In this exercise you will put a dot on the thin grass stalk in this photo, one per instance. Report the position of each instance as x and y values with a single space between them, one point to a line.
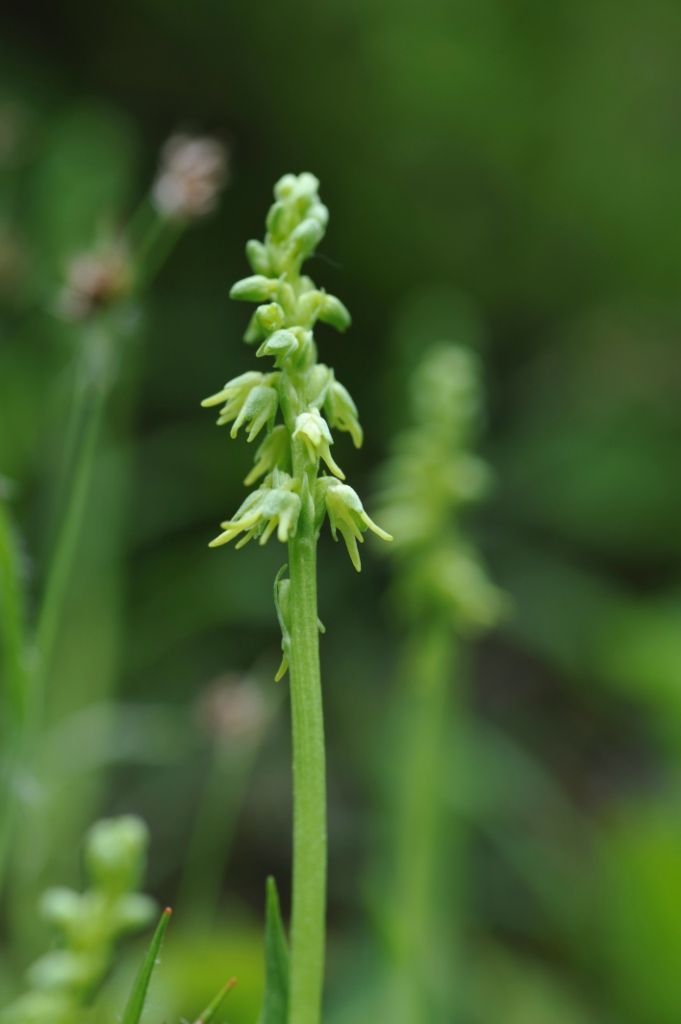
16 678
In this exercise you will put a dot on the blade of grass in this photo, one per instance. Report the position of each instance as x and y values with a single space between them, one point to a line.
275 1007
138 995
59 573
15 692
207 1016
12 632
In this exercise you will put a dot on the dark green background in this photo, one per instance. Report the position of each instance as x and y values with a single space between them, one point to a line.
502 173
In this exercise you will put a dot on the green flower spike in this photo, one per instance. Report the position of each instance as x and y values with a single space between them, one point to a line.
297 405
431 476
300 402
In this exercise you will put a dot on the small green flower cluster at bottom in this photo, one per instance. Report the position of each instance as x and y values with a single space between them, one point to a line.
62 981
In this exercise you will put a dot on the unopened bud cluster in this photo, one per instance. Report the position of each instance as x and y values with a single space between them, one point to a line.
88 924
294 407
429 478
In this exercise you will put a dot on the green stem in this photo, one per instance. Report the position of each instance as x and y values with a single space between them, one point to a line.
59 573
152 238
16 678
12 632
211 838
429 664
308 910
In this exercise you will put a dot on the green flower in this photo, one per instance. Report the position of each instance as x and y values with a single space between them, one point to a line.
312 429
342 412
347 516
264 511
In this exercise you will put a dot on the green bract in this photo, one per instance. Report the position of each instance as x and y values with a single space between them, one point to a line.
300 401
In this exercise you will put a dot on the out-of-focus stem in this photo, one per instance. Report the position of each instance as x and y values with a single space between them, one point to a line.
152 239
15 679
211 838
12 632
428 666
61 565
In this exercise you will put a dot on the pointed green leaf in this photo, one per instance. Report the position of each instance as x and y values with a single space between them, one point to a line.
138 995
275 1008
207 1016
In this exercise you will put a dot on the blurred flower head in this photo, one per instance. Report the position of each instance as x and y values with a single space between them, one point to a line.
193 171
94 281
232 709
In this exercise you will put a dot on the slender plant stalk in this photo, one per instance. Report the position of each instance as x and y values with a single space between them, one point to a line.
216 816
12 627
66 546
308 909
16 678
428 663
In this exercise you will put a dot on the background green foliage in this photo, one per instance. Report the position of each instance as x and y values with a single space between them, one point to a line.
502 174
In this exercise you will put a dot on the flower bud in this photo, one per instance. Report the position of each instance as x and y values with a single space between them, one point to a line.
312 429
61 907
280 345
270 317
64 969
256 288
320 212
309 306
115 851
335 313
133 911
258 258
278 220
285 187
307 236
307 185
317 385
342 412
